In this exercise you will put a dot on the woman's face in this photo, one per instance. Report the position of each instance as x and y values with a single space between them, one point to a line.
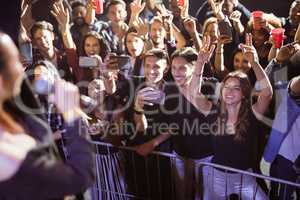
213 32
259 38
157 33
182 71
91 46
135 45
232 92
240 63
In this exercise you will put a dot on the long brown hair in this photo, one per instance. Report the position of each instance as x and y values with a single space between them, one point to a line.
243 122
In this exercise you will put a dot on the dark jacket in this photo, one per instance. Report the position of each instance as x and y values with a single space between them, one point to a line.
42 175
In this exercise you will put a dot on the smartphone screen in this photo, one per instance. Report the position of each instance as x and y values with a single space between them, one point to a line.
26 51
88 62
123 62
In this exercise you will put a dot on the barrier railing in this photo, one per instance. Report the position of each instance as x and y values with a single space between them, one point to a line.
123 174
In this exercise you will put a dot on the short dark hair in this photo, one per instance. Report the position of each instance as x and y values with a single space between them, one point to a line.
188 53
75 4
158 53
41 25
115 2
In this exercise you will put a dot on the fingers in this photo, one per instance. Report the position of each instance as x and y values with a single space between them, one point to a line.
211 50
249 39
24 10
206 43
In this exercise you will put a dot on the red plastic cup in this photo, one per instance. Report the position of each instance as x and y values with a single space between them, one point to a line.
257 18
180 3
278 36
99 6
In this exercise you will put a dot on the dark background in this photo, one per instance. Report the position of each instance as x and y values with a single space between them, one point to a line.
9 11
278 7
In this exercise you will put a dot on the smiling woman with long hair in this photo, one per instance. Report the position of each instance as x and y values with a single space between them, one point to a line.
235 139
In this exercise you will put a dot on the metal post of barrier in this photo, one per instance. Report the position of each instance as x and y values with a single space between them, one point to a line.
158 173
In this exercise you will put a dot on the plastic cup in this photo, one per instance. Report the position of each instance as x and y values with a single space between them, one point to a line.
99 6
278 36
180 3
257 18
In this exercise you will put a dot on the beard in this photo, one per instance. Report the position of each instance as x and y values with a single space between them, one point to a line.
79 21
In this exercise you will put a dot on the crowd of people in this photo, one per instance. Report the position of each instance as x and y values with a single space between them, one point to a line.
220 87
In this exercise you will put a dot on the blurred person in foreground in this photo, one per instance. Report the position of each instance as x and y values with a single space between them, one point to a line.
29 164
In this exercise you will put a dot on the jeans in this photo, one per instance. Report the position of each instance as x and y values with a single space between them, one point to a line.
221 185
188 178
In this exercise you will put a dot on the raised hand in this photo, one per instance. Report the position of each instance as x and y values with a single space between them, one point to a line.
287 51
206 51
61 15
217 9
190 25
23 36
137 7
167 21
236 16
184 9
248 50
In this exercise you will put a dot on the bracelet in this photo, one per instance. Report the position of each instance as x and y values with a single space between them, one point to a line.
139 112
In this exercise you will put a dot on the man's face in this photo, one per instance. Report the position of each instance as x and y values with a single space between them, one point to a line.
78 15
135 44
228 7
294 13
157 33
182 71
154 69
116 13
43 40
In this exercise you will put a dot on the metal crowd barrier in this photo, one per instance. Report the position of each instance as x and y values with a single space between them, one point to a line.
123 175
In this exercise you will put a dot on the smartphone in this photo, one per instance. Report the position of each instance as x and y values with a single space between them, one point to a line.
122 61
26 51
225 30
88 62
160 100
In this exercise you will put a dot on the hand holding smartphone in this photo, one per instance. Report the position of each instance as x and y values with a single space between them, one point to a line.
26 52
89 62
152 96
118 62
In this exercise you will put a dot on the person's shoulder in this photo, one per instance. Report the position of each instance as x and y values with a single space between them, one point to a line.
13 151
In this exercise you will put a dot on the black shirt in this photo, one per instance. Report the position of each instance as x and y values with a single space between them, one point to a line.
155 117
237 153
191 138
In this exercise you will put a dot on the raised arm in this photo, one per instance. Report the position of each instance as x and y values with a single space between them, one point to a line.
190 27
265 92
204 56
90 16
63 18
136 7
